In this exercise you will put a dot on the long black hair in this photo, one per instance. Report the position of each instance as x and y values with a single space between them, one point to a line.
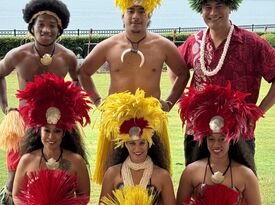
156 153
239 152
71 141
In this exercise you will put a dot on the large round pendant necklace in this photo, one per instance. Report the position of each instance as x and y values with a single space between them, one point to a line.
218 177
46 59
134 49
225 49
52 163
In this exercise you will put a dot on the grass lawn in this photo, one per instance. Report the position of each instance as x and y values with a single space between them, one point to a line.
265 141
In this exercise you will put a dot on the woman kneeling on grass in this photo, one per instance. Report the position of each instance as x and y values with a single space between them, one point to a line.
138 168
223 169
53 167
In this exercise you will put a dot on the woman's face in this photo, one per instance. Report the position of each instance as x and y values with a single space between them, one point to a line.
51 136
137 150
217 145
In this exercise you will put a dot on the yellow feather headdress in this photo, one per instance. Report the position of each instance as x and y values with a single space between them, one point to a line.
148 5
121 112
131 195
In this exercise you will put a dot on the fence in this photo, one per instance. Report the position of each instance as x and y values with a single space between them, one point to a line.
80 32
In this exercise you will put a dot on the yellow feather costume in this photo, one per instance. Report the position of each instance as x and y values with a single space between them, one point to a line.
117 109
135 195
148 5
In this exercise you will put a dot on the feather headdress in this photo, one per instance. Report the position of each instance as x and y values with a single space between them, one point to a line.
219 109
52 100
127 116
124 111
131 195
197 4
148 5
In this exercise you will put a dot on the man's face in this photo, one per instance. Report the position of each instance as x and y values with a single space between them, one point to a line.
215 14
45 29
135 19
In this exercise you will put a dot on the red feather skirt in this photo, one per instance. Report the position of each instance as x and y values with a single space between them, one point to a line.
47 187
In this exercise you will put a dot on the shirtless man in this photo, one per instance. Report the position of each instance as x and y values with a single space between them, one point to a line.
136 58
46 21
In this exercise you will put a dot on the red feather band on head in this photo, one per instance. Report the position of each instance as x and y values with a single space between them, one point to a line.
50 91
133 122
198 107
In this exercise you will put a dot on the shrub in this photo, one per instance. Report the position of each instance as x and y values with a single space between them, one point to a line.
270 38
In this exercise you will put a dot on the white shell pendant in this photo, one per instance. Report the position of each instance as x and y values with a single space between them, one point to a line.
46 59
217 177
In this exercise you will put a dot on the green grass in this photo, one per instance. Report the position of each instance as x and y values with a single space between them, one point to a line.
265 140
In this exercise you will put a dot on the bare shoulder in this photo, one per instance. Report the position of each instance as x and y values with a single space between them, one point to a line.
242 171
111 41
71 156
65 51
197 165
20 51
114 170
160 172
160 40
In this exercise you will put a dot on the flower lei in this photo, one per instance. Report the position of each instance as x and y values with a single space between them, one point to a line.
225 49
147 165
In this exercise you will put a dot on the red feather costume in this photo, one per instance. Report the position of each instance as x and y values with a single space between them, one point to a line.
237 120
217 194
47 187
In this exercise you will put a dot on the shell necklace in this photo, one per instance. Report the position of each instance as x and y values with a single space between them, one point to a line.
218 177
127 165
46 59
52 163
225 49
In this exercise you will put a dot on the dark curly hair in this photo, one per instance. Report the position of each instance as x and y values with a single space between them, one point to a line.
239 152
71 141
55 6
119 154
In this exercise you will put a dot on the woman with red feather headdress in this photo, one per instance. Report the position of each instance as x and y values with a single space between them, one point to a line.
53 168
223 169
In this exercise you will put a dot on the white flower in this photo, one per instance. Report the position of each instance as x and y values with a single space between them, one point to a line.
53 114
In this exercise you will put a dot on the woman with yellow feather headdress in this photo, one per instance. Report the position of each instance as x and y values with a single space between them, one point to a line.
135 126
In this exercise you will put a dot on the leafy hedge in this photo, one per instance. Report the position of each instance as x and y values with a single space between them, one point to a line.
78 44
270 38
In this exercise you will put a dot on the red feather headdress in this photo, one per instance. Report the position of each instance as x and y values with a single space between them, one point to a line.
219 109
52 100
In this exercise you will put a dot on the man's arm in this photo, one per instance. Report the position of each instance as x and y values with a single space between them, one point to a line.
73 68
6 67
269 99
90 65
181 72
